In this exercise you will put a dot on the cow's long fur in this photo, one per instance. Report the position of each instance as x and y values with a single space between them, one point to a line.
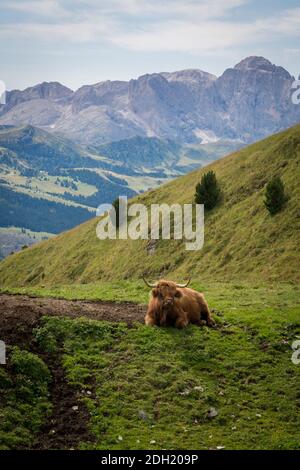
178 306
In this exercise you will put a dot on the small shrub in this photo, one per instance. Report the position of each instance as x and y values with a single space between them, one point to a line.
275 196
116 205
208 191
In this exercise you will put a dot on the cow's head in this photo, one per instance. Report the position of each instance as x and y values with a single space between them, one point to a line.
166 291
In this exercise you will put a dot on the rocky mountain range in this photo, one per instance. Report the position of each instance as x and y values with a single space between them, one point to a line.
246 103
64 152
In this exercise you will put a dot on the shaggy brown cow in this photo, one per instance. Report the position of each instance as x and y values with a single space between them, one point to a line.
176 304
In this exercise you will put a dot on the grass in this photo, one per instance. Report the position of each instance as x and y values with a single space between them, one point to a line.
242 241
47 185
24 403
221 295
18 231
158 387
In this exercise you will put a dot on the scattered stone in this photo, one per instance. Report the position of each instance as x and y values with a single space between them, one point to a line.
220 447
88 392
185 392
143 415
217 312
233 428
212 412
153 442
258 415
120 438
75 408
199 388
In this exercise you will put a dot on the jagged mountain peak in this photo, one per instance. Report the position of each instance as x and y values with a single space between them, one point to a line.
189 75
44 90
254 62
261 64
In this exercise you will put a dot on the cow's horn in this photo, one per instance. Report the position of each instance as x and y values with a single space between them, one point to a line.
184 285
148 283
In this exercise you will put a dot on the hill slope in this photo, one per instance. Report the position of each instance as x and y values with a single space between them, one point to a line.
242 241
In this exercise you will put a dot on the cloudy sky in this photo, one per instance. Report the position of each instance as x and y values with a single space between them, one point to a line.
86 41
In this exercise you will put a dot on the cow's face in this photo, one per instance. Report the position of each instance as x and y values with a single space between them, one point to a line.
167 292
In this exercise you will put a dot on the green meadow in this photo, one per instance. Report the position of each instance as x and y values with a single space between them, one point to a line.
234 386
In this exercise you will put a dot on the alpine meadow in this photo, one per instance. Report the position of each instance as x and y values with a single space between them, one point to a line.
97 378
149 232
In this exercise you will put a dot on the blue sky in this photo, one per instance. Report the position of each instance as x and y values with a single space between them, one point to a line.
86 41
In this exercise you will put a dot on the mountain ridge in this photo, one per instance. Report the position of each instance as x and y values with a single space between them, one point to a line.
247 102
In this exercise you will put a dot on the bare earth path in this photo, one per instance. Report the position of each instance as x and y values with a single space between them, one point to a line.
19 315
23 312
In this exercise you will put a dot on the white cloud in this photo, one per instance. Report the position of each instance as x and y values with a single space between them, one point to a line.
185 37
209 35
171 8
49 8
147 25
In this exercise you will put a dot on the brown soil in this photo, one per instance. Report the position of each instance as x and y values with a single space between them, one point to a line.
19 315
66 427
18 312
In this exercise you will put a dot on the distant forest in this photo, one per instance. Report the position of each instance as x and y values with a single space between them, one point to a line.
39 215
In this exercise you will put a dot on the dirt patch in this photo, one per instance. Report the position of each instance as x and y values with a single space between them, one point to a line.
19 315
68 424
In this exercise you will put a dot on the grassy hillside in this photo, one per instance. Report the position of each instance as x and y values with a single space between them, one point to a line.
242 241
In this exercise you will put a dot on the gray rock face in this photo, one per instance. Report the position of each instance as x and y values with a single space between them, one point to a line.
51 91
246 103
257 98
